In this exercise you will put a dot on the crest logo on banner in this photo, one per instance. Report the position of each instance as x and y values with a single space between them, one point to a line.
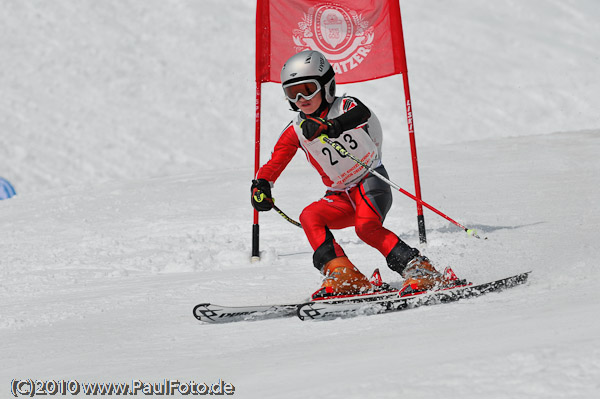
341 34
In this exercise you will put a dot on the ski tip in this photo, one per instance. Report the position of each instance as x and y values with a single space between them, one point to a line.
197 311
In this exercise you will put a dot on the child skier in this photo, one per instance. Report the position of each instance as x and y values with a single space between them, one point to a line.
353 197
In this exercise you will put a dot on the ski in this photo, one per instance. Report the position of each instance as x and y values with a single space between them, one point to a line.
381 301
212 313
357 305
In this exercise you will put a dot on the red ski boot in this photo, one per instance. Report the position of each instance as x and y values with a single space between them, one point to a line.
420 276
342 278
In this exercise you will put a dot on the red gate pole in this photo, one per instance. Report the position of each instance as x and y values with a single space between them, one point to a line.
411 133
255 226
415 162
263 49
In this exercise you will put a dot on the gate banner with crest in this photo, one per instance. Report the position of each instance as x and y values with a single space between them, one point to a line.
362 39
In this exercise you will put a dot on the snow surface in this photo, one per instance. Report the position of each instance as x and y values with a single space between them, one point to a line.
127 131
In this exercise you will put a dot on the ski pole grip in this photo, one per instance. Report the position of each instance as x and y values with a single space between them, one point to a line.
259 196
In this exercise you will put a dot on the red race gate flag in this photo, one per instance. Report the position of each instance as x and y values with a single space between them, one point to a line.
362 39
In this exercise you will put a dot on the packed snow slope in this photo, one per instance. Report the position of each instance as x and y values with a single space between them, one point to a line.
127 131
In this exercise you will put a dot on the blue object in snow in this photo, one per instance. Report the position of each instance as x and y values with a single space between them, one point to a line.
6 189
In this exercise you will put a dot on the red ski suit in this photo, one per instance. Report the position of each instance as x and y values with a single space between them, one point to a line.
354 197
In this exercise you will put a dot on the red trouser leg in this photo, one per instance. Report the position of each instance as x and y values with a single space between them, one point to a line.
368 223
334 212
338 212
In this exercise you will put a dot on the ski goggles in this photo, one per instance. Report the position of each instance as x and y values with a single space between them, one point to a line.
306 89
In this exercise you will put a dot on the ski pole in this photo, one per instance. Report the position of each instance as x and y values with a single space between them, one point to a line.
343 152
286 217
259 196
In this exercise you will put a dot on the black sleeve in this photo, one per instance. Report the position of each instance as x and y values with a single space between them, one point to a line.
355 116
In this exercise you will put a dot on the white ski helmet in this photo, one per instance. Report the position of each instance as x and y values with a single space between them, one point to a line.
310 67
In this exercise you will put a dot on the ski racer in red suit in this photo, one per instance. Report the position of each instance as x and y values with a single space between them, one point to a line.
353 197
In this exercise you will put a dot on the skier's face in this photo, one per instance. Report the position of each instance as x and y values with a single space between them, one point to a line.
309 106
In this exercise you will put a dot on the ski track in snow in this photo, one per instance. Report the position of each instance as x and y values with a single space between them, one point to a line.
133 204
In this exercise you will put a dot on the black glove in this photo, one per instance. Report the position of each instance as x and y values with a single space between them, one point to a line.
261 195
314 127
